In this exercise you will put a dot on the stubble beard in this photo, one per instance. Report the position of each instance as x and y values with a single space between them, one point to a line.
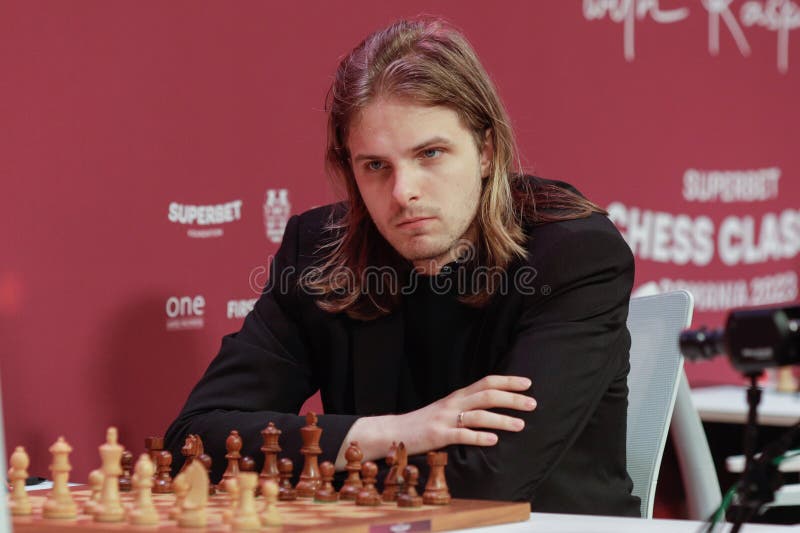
431 256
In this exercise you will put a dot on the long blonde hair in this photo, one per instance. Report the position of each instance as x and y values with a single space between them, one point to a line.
430 63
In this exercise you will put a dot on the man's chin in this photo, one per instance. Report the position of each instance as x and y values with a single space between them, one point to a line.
424 255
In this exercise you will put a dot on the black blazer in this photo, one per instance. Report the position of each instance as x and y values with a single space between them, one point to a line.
569 337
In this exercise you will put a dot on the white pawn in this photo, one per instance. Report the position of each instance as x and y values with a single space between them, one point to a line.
110 509
193 508
59 502
786 380
180 486
20 504
231 486
144 511
96 485
247 517
270 516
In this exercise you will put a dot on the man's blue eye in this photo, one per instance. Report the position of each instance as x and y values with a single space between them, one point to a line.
375 165
431 152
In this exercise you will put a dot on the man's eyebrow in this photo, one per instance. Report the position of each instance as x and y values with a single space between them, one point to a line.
363 157
433 140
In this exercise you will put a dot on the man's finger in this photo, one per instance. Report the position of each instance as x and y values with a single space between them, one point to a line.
474 438
510 383
488 420
493 398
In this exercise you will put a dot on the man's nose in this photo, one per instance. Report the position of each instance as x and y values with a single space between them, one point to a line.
407 181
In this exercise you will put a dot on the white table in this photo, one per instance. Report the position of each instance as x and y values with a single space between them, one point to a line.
728 404
565 523
562 523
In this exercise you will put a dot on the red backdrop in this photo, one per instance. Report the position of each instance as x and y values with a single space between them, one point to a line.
150 153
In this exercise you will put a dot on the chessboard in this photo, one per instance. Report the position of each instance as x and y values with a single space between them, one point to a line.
301 515
124 497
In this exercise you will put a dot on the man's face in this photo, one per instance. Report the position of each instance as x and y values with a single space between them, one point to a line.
419 172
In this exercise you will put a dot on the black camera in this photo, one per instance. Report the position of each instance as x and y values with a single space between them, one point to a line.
754 339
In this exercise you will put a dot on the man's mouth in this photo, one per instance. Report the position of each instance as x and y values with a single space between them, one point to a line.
413 222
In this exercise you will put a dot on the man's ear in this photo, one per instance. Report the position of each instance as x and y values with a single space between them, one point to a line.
487 153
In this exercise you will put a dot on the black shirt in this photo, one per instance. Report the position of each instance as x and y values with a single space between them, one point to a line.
568 336
440 336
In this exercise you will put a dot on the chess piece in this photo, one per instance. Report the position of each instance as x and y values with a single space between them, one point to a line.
786 380
310 478
232 489
270 516
394 479
180 486
163 482
144 512
154 445
409 496
286 493
19 503
401 460
59 502
369 495
352 485
126 463
96 486
193 509
233 445
247 464
205 460
192 448
109 508
246 518
271 449
326 492
436 492
390 481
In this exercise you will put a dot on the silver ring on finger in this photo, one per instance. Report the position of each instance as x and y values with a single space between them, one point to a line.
460 420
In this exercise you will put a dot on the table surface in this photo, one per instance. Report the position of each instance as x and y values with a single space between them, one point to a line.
562 523
565 523
728 403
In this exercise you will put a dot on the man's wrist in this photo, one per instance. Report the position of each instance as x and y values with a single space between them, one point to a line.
374 435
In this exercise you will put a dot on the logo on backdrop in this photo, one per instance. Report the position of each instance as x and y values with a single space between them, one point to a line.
185 312
778 16
200 216
682 239
240 308
276 213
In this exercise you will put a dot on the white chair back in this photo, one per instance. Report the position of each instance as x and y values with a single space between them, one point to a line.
655 323
5 522
700 481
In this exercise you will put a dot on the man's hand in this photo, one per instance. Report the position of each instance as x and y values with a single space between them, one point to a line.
458 418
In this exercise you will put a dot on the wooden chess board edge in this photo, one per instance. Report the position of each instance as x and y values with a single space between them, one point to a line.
466 514
55 526
482 515
462 514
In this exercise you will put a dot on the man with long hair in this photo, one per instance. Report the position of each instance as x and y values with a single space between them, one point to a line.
439 299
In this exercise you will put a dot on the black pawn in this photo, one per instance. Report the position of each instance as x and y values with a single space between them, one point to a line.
163 482
369 494
205 460
285 490
326 492
126 462
247 464
409 497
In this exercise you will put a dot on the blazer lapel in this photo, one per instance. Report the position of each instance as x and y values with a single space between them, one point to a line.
378 354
